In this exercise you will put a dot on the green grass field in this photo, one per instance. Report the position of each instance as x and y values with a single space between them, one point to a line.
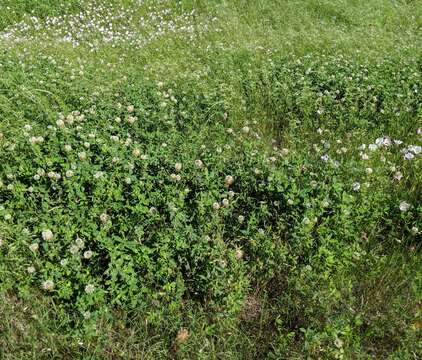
212 179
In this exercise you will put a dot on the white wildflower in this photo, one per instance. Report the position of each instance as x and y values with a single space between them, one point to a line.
178 167
216 206
246 129
404 206
88 254
69 173
82 155
355 186
34 247
89 289
47 235
48 285
229 180
104 218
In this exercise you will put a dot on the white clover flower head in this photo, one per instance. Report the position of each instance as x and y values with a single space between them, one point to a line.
60 123
47 235
231 194
230 131
7 217
80 243
398 176
216 206
130 109
225 202
284 152
98 174
68 148
128 180
178 167
415 149
325 158
369 171
199 163
229 180
118 120
246 129
306 221
86 315
343 150
27 127
82 155
290 202
69 173
319 131
241 219
404 206
325 204
239 253
383 141
153 210
136 152
314 183
89 289
88 254
414 230
364 156
219 150
131 119
34 247
408 156
48 285
261 231
30 269
356 186
104 217
362 147
87 145
63 262
144 157
372 147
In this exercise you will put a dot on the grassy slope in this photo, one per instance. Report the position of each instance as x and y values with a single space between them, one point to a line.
359 30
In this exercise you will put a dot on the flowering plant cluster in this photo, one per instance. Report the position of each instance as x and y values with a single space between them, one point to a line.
235 190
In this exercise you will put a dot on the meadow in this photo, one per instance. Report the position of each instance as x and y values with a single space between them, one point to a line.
210 179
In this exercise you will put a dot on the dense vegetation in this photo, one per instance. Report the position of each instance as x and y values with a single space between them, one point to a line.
210 179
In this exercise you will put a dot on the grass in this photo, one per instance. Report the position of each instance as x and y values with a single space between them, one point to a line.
312 252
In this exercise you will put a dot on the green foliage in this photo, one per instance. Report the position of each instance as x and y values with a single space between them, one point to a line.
264 196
